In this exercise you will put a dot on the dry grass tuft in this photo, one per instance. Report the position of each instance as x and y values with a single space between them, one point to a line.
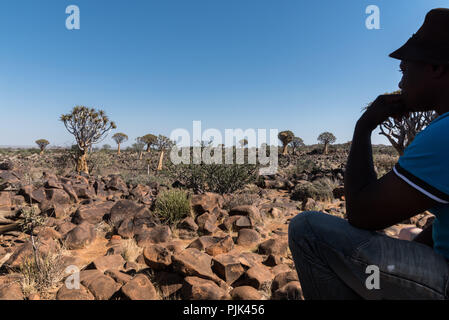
42 273
131 250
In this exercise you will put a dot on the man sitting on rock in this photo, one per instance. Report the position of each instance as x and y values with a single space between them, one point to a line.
339 259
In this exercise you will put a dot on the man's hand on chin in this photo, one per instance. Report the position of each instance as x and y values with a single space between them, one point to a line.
384 107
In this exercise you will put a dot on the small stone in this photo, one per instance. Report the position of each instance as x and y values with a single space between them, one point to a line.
273 246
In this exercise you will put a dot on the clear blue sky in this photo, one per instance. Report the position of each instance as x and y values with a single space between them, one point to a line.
157 65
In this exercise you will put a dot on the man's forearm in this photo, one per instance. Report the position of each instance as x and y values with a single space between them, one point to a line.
360 168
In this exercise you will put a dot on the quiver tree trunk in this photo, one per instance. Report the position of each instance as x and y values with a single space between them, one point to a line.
118 148
81 163
284 149
161 161
326 148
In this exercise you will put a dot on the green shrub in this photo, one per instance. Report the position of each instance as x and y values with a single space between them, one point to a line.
172 206
218 178
304 166
133 179
98 161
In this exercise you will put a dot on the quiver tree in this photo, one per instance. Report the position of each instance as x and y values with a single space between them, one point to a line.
139 146
119 138
163 143
89 127
297 143
326 138
243 143
149 140
401 132
42 143
286 137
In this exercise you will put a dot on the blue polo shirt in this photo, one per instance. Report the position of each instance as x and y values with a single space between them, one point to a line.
425 166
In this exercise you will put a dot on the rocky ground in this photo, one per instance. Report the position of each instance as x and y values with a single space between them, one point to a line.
231 246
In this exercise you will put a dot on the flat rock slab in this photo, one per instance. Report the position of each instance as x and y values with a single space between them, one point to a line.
192 262
104 263
140 288
157 257
80 236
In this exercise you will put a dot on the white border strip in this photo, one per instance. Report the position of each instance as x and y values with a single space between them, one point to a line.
419 188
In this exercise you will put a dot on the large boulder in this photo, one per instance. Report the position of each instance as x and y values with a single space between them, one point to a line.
282 279
259 277
203 242
248 237
246 210
9 181
246 293
169 283
5 199
195 288
223 246
206 222
187 228
84 191
206 202
104 263
24 252
157 234
157 257
100 285
144 194
57 196
227 267
273 246
139 288
290 291
33 195
92 213
192 262
116 183
74 294
80 236
10 289
124 209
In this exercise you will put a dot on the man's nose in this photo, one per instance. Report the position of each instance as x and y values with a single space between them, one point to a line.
400 84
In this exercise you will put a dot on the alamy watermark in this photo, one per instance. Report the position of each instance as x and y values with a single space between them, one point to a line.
373 20
73 21
73 280
189 149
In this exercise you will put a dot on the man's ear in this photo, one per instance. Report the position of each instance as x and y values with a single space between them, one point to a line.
439 70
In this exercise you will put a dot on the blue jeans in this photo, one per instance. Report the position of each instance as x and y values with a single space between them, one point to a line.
335 260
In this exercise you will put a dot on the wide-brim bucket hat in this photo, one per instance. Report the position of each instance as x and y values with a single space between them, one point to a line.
431 42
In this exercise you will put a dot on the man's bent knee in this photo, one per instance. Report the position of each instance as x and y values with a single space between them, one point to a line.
300 225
